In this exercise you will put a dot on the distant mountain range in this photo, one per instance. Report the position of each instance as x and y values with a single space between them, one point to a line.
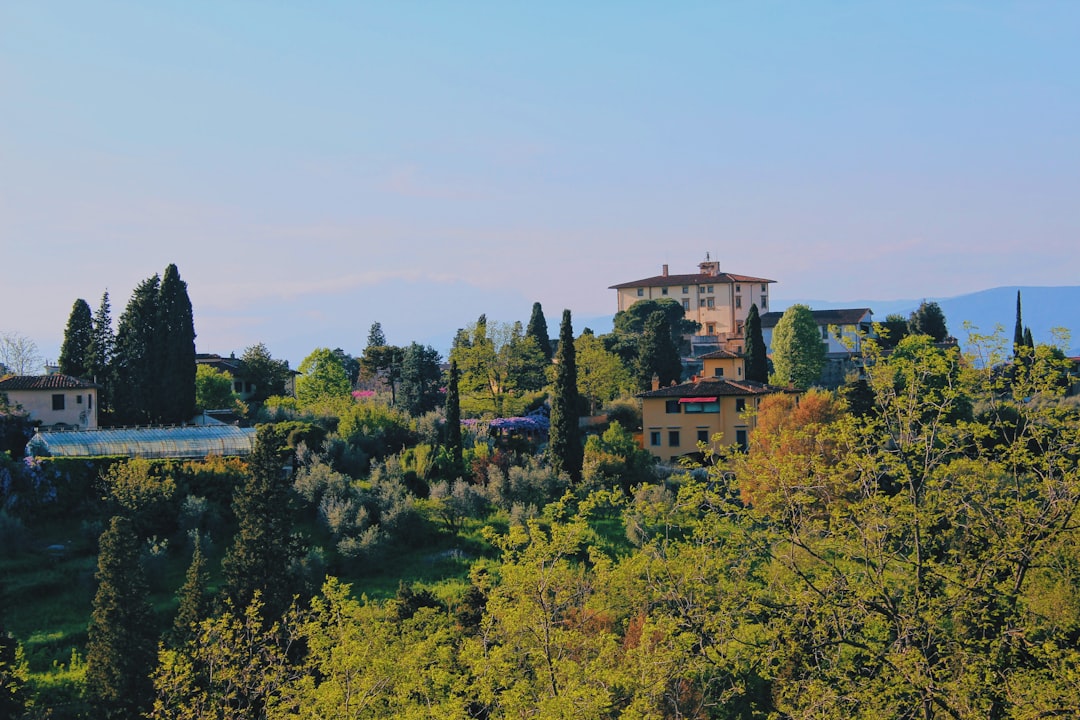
1042 309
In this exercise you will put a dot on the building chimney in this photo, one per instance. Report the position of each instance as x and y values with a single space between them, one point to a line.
655 382
665 269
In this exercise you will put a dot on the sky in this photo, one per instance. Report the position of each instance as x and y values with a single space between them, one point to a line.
312 168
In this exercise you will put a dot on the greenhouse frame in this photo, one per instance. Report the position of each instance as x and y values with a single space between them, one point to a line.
185 442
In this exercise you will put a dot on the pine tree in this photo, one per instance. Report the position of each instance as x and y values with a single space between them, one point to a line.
658 354
192 601
100 354
136 355
757 362
453 417
121 644
175 388
564 438
928 319
258 559
75 353
538 330
1018 329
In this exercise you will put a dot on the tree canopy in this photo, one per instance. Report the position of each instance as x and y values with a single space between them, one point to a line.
798 352
75 353
928 319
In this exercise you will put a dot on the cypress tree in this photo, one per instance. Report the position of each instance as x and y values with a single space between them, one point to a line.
100 353
121 645
192 603
453 417
1028 339
658 354
258 559
757 362
175 389
135 357
564 438
538 330
75 353
1018 329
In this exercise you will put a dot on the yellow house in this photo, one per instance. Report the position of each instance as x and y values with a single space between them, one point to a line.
676 418
55 400
723 364
719 301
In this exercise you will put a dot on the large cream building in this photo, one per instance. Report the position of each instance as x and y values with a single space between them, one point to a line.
719 301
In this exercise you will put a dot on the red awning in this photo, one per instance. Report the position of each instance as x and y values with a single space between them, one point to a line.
696 400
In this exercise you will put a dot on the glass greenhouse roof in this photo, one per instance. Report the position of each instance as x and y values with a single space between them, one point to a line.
194 441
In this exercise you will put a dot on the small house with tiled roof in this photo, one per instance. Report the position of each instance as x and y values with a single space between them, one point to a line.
712 410
56 400
718 300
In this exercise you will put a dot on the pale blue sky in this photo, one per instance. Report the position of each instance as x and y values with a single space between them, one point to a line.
314 167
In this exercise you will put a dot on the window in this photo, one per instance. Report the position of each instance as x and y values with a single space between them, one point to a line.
654 438
78 399
701 302
663 291
701 289
710 302
740 439
824 332
764 303
685 304
718 372
641 292
740 404
738 288
89 402
764 288
703 435
710 328
738 301
695 408
710 288
673 438
672 407
57 402
685 289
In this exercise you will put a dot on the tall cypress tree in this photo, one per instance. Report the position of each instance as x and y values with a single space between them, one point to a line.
1018 329
175 389
538 330
75 353
453 417
1029 341
259 557
121 644
136 356
100 354
757 362
192 601
564 437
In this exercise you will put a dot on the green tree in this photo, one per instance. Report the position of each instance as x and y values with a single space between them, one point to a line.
1018 330
928 319
564 446
268 375
14 673
121 638
798 352
381 360
258 561
892 331
602 377
213 389
175 330
193 602
421 380
136 354
658 354
498 366
629 327
321 377
78 336
453 418
100 354
538 331
757 361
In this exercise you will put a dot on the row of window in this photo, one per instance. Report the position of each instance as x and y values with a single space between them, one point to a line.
675 437
674 407
59 401
708 290
711 302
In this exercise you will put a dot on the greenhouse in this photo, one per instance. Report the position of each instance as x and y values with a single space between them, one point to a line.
192 441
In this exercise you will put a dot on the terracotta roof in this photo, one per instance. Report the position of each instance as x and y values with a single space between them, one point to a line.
44 382
695 279
720 355
712 387
841 316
